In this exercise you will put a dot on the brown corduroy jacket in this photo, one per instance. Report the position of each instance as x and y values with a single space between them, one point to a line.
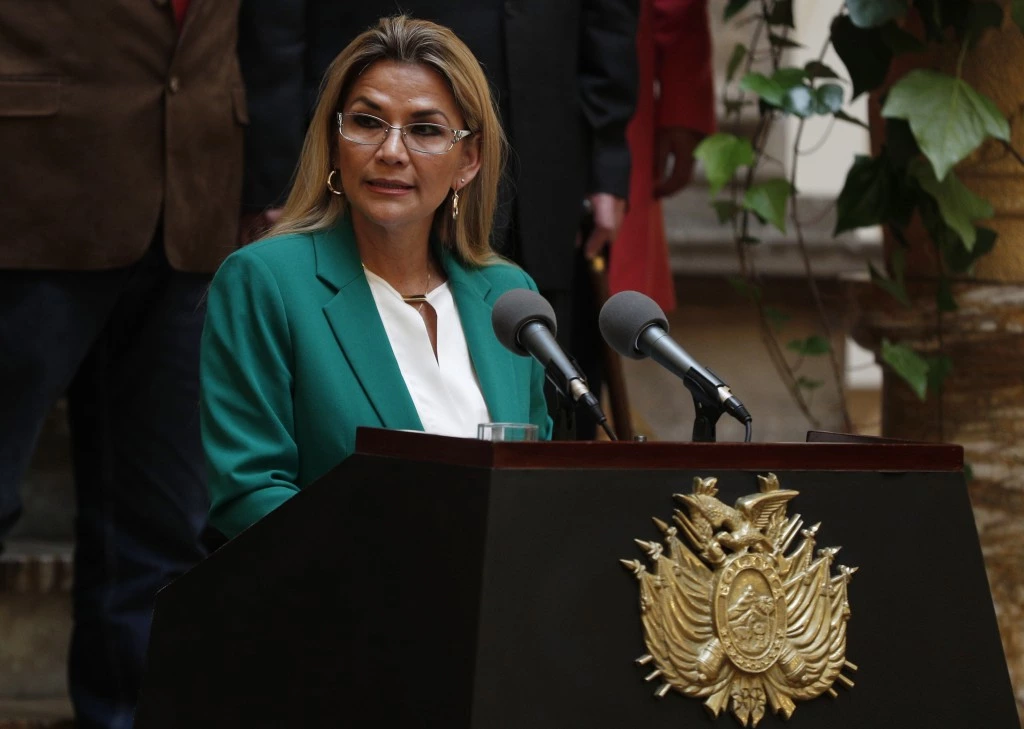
108 117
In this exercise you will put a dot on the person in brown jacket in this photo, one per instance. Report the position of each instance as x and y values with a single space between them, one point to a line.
121 138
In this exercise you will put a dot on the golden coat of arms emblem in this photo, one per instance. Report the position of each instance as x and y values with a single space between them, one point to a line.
740 614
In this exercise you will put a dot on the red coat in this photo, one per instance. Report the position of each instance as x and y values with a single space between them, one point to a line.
674 49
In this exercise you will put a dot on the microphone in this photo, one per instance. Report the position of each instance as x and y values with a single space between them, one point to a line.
524 323
636 327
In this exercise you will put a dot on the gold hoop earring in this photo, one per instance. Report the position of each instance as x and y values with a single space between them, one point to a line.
330 186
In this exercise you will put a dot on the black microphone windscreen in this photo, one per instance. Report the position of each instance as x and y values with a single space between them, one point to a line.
516 308
624 316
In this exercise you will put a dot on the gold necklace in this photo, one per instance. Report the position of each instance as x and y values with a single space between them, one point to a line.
420 299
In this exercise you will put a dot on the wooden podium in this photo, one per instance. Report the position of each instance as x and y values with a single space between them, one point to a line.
449 583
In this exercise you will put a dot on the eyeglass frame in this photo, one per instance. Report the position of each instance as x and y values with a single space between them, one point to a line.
457 134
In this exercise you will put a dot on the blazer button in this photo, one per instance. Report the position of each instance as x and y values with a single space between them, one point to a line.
173 84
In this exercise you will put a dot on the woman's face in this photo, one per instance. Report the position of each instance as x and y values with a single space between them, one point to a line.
388 185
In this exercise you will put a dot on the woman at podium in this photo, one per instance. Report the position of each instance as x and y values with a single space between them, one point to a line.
369 304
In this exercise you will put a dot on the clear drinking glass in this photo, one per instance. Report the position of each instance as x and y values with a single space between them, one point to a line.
506 431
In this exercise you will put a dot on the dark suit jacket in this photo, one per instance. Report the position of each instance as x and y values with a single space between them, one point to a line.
107 117
564 70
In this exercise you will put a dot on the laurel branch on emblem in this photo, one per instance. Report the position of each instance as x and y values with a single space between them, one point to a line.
735 617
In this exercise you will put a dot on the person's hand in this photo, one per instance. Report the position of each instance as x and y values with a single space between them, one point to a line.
608 213
679 143
252 225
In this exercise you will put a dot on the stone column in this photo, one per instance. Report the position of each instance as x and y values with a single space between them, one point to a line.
982 402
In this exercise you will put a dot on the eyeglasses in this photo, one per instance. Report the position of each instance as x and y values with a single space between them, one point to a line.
418 136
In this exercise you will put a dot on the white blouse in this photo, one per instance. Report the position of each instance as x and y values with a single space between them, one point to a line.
445 391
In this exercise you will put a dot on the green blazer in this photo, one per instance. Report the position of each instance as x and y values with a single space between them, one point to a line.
295 358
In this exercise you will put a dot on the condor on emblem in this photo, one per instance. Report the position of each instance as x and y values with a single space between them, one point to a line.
735 617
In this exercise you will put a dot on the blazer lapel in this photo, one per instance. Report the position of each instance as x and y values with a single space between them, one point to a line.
495 366
352 315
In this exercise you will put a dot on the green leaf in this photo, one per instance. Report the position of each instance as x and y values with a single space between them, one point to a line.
866 196
814 346
1017 12
734 7
782 13
776 317
900 41
908 364
872 13
722 154
898 261
894 288
900 144
816 69
725 210
768 89
805 383
949 119
773 90
958 206
745 289
829 98
907 197
939 368
980 17
863 52
739 52
895 285
943 237
960 260
944 298
768 199
781 41
968 473
789 77
843 116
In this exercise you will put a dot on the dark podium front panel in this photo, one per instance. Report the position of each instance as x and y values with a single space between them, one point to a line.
433 582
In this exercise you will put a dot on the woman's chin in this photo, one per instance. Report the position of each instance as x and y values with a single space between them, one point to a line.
393 216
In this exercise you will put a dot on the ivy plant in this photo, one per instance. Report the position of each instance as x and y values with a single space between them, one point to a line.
933 121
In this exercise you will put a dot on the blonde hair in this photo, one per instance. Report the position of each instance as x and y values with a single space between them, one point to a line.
311 206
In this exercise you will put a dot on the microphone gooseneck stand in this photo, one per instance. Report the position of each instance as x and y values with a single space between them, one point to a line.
706 415
708 410
567 401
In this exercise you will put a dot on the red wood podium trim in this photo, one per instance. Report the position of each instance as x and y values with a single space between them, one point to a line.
892 457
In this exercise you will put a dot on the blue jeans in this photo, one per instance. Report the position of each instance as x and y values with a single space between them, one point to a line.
124 345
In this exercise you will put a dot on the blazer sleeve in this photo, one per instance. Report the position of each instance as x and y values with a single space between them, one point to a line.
683 65
246 406
272 54
608 88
